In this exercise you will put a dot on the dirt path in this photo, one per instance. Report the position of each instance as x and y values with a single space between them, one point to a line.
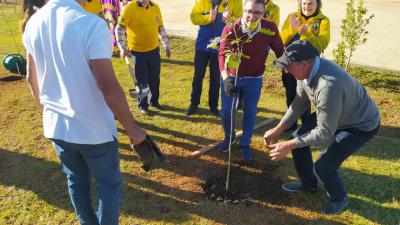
381 50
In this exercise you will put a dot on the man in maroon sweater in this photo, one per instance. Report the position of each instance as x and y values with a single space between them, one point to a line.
257 36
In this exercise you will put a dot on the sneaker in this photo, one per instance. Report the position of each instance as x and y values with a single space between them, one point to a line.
296 186
191 110
157 106
143 110
331 208
246 152
215 111
224 145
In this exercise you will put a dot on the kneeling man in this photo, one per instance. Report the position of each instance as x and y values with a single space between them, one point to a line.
344 113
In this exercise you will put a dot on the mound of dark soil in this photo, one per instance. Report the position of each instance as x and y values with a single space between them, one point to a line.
254 180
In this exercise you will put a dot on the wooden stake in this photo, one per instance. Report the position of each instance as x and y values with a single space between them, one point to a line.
238 135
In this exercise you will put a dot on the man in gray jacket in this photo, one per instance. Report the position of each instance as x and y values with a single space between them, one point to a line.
345 115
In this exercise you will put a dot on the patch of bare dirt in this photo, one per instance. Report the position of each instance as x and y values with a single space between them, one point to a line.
248 181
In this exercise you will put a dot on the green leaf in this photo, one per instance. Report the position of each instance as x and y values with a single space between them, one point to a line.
246 56
236 41
267 32
232 61
253 25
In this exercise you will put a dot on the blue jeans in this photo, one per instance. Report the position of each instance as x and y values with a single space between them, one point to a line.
147 70
80 162
201 60
251 89
329 161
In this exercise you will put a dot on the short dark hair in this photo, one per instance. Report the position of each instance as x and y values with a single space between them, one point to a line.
255 2
28 9
319 5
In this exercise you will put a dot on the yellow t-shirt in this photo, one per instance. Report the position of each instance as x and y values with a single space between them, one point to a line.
93 7
272 12
142 25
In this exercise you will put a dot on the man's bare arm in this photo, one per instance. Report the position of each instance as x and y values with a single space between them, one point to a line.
31 78
114 96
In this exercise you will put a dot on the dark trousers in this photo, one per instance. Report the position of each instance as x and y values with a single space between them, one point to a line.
147 69
328 162
290 84
201 60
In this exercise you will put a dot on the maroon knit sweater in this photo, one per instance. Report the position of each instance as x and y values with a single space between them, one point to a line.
257 48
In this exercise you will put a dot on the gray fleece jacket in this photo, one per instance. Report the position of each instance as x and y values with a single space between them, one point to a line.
340 101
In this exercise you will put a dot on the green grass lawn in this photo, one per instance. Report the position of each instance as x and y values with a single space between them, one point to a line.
33 188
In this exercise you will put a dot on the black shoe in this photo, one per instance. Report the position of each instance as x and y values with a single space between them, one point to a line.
296 186
157 106
215 111
143 110
335 207
191 110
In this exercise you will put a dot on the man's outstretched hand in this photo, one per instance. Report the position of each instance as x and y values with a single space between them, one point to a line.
279 150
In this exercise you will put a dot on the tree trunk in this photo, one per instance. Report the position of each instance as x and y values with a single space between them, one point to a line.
348 61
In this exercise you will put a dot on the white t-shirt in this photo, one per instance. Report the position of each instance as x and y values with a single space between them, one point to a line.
62 37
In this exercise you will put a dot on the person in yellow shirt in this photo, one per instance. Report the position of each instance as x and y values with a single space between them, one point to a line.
210 16
272 12
141 20
309 24
93 6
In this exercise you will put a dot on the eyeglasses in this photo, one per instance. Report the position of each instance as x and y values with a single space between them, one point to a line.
256 13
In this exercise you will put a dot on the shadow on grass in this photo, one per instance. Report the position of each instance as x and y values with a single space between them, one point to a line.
196 118
175 135
11 78
177 62
374 212
142 198
391 85
381 188
173 198
176 144
265 110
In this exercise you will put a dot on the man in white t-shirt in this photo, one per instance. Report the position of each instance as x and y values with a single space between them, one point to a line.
71 76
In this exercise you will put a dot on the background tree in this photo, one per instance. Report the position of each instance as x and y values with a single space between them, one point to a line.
353 32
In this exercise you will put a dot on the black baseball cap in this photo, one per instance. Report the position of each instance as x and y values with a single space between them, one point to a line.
297 51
